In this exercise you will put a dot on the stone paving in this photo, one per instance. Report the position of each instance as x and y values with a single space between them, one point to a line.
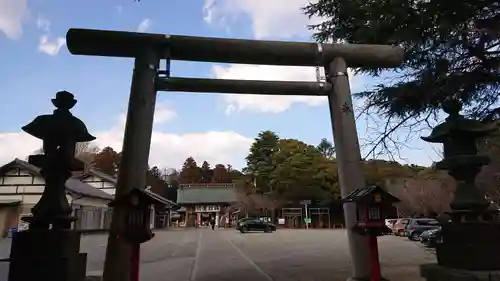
292 255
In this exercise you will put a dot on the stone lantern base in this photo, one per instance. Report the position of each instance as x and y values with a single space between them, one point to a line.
470 246
47 255
470 252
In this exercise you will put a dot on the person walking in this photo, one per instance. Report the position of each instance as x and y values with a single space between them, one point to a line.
212 223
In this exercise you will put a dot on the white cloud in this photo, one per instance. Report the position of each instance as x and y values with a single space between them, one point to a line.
163 114
167 149
277 18
208 11
50 46
268 103
144 25
12 15
43 23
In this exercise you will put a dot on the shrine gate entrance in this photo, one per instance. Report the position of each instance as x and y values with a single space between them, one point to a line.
149 49
293 217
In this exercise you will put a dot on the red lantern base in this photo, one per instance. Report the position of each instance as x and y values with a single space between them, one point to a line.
135 262
375 263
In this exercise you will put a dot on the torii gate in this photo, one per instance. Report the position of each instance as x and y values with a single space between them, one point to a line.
149 49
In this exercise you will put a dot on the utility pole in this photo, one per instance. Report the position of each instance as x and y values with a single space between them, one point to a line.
307 216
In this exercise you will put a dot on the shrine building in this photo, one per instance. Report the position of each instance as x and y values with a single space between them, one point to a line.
201 202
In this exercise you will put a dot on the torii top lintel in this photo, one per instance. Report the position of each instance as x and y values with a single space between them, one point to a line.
205 49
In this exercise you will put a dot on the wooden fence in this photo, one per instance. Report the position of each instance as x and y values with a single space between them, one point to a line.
91 218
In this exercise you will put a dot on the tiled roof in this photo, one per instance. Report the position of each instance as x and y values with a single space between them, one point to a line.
78 187
361 194
98 174
73 185
9 202
206 185
206 195
160 198
112 179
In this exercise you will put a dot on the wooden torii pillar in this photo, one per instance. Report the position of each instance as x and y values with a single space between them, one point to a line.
149 49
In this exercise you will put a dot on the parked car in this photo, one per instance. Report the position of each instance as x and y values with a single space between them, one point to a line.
255 224
399 227
431 238
416 226
390 223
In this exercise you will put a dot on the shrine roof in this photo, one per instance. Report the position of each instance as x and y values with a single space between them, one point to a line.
364 193
206 195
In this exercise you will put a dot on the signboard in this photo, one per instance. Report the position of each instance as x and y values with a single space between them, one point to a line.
307 220
305 202
206 208
22 224
281 221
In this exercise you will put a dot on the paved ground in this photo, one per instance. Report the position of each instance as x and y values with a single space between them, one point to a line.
291 255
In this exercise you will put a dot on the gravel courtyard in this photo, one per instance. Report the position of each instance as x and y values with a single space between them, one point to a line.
292 255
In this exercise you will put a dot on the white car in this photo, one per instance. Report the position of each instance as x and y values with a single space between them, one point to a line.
390 223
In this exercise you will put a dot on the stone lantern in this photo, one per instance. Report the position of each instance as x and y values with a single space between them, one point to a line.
470 246
59 132
49 249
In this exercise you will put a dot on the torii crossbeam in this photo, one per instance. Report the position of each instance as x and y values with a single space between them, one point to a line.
149 49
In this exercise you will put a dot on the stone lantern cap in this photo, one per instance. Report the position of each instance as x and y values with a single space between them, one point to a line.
60 125
457 126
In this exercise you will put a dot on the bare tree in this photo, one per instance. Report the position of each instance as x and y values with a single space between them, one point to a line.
489 179
84 151
429 192
387 136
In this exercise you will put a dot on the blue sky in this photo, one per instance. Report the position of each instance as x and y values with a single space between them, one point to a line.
218 128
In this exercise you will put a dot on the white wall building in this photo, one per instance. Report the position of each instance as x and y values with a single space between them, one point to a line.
106 183
21 186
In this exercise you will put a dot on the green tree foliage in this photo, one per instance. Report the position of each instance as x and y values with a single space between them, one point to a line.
220 174
302 172
156 172
451 52
451 49
326 149
172 180
260 161
233 173
206 172
190 172
156 180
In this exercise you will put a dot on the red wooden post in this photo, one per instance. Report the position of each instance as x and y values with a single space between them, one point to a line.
375 263
134 262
